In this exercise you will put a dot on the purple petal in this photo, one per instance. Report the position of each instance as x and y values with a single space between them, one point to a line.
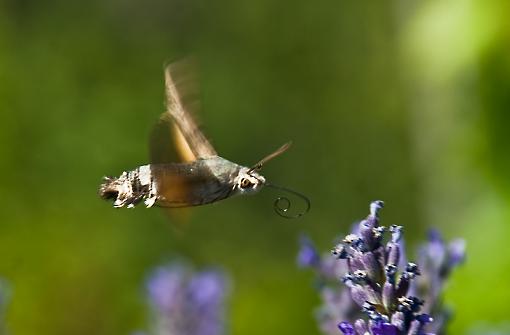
435 236
355 264
207 288
398 319
393 251
415 328
388 296
308 255
435 249
403 284
457 252
346 328
424 318
396 233
361 326
384 329
366 231
372 266
359 294
165 287
191 304
375 207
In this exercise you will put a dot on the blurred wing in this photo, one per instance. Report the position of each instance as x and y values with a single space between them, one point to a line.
177 138
180 89
167 144
187 184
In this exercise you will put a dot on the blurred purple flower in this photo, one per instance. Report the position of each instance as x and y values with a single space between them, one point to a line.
5 294
187 303
165 285
308 255
436 259
380 284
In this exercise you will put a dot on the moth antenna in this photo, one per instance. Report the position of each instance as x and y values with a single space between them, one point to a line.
266 159
282 210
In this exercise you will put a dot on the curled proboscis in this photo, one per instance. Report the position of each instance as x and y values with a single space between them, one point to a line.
282 204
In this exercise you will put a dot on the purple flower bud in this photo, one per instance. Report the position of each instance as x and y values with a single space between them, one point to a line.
366 227
372 266
308 255
457 252
188 303
389 296
418 325
164 287
366 232
384 329
403 285
360 295
424 318
398 319
393 250
354 263
396 233
375 284
375 207
435 249
361 326
346 328
415 328
434 236
206 288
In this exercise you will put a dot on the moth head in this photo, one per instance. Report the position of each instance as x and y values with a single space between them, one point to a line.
248 181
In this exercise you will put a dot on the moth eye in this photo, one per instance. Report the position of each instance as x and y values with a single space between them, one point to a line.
245 183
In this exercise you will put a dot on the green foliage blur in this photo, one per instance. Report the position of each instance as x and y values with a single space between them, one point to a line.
404 101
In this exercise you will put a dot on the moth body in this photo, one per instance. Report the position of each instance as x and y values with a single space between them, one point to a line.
204 178
200 182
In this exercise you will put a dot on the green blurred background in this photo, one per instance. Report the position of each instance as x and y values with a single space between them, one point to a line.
405 101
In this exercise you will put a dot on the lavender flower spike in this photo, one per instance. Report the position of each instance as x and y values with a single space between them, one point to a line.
388 293
187 303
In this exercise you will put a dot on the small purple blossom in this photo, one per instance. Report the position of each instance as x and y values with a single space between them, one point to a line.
396 296
164 285
384 328
308 255
187 303
346 328
437 259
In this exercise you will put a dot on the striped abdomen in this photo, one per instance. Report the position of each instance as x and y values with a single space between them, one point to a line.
130 188
173 185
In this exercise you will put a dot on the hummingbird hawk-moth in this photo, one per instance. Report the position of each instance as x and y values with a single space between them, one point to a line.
203 178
